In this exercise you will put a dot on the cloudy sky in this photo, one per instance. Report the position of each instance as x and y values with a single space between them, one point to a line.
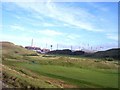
80 24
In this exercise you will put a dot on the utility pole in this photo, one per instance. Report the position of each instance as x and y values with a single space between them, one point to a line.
46 45
79 48
32 43
91 47
71 47
57 46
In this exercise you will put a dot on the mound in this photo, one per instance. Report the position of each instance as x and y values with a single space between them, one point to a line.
108 54
111 53
64 52
10 50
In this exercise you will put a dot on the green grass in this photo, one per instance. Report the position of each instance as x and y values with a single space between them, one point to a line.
74 62
82 77
77 75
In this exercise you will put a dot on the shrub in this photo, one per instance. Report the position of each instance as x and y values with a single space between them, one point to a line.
109 59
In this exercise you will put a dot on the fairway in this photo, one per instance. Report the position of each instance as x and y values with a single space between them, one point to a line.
81 77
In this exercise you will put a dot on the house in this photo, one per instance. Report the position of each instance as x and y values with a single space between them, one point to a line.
45 50
37 49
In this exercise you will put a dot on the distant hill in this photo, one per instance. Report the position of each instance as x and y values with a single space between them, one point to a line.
10 50
111 53
66 52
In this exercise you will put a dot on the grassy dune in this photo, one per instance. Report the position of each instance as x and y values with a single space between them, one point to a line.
10 50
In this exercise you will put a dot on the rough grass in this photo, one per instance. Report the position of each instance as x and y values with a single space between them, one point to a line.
9 50
19 79
76 62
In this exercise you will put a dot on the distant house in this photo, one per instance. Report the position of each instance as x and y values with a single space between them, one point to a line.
37 49
45 50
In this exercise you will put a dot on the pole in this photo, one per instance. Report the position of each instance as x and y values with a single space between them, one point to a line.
46 45
57 46
71 47
79 48
32 43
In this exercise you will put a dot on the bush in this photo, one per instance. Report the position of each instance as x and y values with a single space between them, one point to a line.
97 61
109 59
32 54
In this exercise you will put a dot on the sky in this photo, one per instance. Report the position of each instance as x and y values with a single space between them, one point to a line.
80 25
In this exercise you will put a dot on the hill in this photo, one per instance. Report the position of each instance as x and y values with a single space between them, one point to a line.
66 52
111 53
10 50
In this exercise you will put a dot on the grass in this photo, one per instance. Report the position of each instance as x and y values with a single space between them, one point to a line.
25 79
82 77
77 75
74 61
